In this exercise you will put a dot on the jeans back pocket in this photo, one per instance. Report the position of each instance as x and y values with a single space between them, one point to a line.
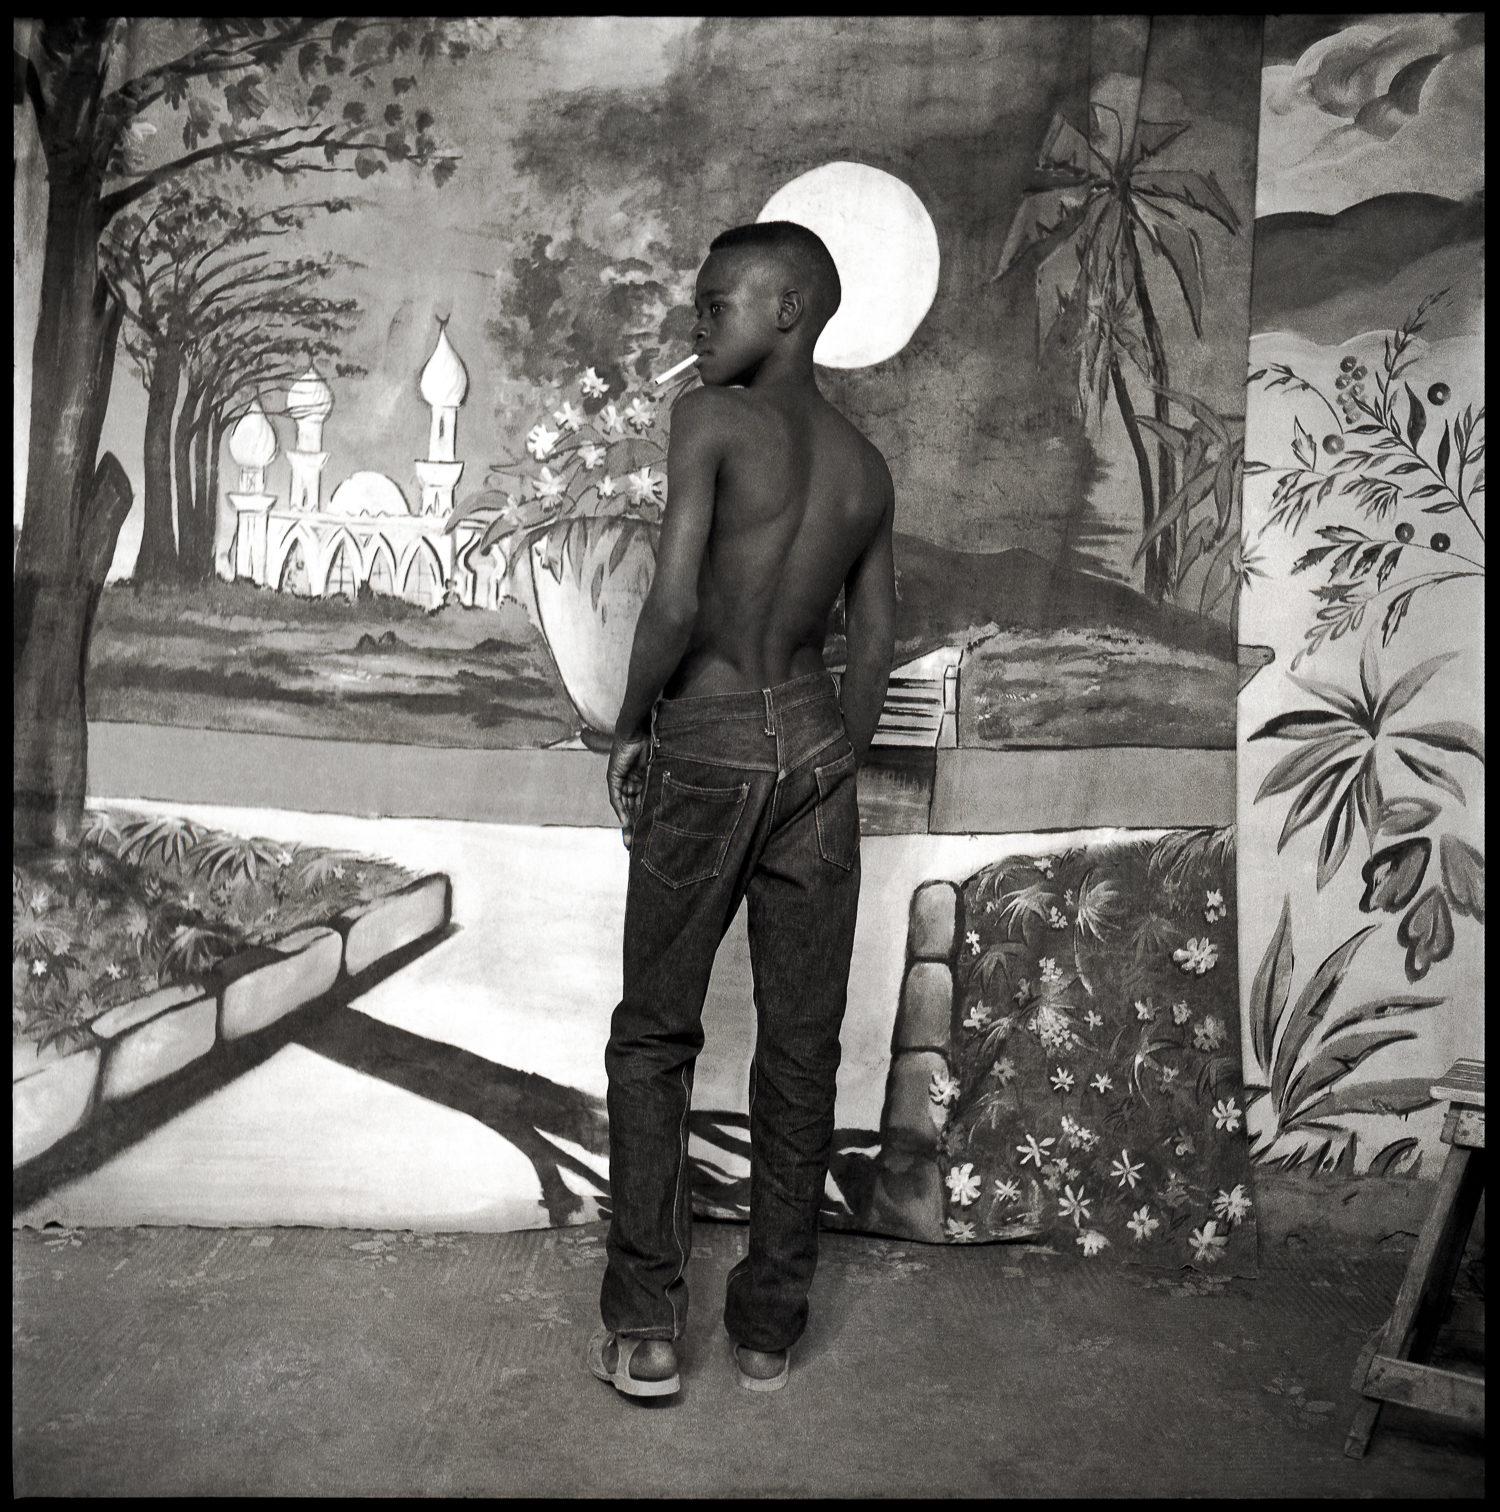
691 830
838 812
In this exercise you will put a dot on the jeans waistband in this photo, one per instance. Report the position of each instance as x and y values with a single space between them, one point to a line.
760 704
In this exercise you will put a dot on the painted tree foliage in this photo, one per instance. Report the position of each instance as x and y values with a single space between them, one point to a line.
206 304
1102 211
279 96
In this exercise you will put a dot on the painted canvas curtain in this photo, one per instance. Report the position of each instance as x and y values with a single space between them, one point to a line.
350 545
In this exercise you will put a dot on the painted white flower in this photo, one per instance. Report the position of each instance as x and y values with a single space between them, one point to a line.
1185 1145
610 421
1004 1069
1043 864
978 1017
592 384
540 440
1226 1115
1208 1243
1062 1080
1142 1224
39 968
1051 971
641 413
1092 1241
1034 1150
1197 955
338 873
1145 1011
1232 1205
1007 1191
1169 1075
1069 1127
608 488
1214 909
1087 1139
113 972
569 417
591 454
1093 1020
1128 1173
963 1184
943 1089
1181 1013
972 941
958 1233
1209 1035
643 486
1056 919
1023 991
1051 1027
547 487
1068 897
1102 1082
41 900
990 906
1073 1205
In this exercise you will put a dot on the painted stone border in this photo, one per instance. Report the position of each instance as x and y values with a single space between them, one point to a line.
136 1044
907 1200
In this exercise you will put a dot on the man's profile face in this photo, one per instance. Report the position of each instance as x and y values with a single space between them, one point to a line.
735 303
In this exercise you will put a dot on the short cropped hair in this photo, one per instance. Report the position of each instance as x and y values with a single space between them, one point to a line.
800 251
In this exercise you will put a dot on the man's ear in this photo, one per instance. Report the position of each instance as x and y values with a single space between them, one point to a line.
789 311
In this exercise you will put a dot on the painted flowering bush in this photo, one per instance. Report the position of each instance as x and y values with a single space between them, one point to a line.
147 902
599 456
1097 1055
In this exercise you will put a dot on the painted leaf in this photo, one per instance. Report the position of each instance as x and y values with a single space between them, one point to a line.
1369 669
1333 1062
1416 419
1312 1003
1201 191
1406 1094
1183 252
1448 735
597 586
1294 769
1431 773
1368 796
1409 684
1427 933
1044 217
1404 816
1463 875
1304 448
1382 1008
1271 988
1335 697
623 538
1313 800
1302 724
1337 834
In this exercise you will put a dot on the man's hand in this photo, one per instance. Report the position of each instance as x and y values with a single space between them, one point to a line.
627 780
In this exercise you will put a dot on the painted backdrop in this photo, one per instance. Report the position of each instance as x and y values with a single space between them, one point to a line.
367 497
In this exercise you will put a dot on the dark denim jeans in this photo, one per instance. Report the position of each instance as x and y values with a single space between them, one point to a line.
748 795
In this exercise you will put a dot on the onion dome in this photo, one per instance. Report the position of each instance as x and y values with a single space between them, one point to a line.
445 380
309 398
252 442
368 493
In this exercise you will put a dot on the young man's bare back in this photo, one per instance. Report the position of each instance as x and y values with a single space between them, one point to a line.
736 756
799 494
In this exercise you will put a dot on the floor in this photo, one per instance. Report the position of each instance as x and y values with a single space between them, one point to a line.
300 1361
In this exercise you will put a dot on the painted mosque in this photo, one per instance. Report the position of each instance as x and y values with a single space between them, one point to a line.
367 535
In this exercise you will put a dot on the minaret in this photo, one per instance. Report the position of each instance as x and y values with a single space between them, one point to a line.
444 385
252 446
308 402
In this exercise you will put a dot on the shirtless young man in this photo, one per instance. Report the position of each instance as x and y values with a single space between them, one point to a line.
740 784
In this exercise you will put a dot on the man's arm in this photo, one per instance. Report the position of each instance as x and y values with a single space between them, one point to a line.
667 617
869 631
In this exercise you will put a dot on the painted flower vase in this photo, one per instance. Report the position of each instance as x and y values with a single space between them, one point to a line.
592 576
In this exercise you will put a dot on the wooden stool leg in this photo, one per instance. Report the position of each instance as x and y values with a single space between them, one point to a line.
1366 1415
1448 1255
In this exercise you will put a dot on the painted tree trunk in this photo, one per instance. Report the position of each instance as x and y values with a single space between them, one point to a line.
75 501
1161 555
1138 448
182 472
157 561
198 558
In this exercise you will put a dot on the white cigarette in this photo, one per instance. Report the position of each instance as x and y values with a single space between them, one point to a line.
686 362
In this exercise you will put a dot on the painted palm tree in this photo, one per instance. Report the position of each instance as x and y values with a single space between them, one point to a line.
1102 210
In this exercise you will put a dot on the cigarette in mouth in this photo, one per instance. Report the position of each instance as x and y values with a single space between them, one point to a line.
672 372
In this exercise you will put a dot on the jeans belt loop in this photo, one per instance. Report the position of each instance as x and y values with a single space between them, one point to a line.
770 718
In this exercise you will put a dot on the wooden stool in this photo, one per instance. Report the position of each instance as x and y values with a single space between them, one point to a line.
1392 1366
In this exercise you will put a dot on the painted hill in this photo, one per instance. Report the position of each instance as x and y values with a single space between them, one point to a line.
944 593
1306 262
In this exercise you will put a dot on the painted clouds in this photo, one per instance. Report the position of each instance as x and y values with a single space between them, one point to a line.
1391 105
